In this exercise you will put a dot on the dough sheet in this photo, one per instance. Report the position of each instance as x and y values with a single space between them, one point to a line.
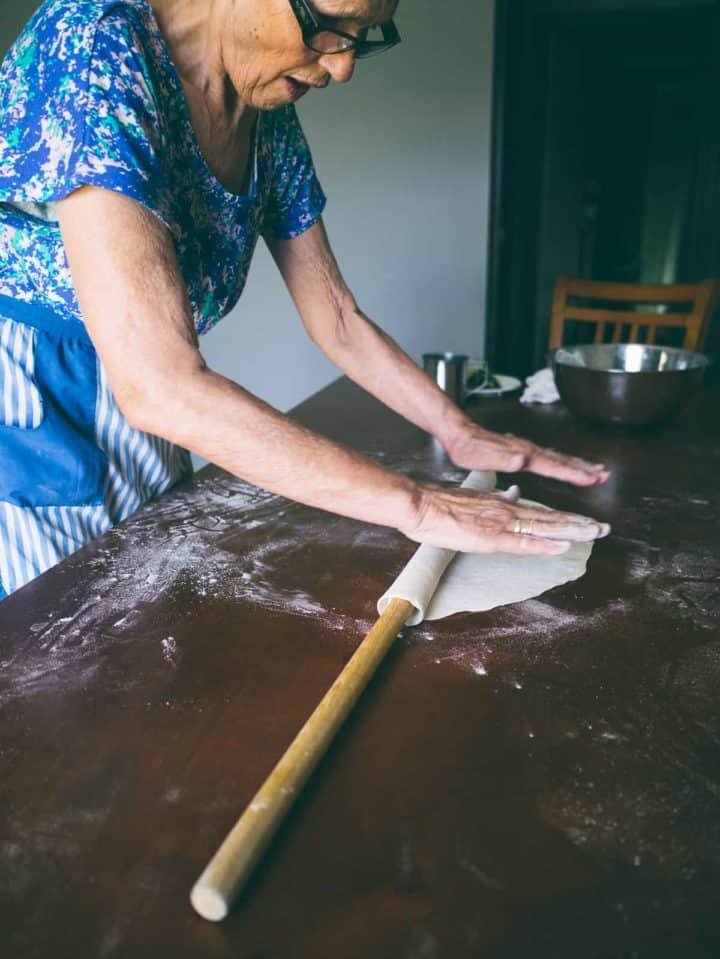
440 582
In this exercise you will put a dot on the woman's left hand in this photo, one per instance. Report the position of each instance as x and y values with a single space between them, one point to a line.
476 448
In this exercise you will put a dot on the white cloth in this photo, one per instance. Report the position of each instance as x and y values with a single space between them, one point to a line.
540 388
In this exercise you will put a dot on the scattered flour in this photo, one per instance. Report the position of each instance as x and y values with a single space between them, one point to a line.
170 650
186 545
225 539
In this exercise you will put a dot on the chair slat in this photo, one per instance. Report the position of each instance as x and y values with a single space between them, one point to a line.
634 292
590 315
700 297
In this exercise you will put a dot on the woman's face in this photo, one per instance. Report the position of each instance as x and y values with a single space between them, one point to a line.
265 57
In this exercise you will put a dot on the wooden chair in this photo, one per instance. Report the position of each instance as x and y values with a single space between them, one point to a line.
695 320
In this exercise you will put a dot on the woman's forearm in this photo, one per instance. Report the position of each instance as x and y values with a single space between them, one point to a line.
354 343
217 419
374 361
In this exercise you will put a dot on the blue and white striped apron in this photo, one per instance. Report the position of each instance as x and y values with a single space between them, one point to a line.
71 466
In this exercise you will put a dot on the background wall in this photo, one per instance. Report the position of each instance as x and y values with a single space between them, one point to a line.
403 154
13 16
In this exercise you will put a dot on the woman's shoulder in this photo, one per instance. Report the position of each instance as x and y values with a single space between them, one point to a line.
65 44
63 15
77 96
67 29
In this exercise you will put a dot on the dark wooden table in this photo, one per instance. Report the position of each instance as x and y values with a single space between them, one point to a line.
539 781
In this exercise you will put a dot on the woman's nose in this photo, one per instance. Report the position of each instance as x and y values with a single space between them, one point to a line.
340 66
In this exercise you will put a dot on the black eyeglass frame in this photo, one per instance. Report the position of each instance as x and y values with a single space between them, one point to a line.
310 25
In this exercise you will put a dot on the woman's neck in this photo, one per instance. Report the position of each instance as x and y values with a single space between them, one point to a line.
189 28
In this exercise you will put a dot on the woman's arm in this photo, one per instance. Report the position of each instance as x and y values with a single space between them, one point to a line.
138 316
374 361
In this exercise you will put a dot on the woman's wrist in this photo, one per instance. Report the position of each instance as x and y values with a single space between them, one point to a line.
420 495
457 429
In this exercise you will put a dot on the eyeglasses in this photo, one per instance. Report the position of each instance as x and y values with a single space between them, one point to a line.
324 39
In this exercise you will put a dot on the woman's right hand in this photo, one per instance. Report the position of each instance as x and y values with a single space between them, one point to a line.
477 522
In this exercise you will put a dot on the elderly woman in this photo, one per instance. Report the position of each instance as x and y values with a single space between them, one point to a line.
144 147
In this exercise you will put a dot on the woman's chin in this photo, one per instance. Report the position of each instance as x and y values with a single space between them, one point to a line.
295 89
281 93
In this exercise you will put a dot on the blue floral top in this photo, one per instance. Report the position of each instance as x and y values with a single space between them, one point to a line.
90 95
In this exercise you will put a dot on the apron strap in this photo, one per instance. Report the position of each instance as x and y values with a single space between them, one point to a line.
43 318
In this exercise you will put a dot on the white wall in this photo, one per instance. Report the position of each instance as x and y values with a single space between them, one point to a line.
403 153
14 14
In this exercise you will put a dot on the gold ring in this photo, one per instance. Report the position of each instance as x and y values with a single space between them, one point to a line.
524 526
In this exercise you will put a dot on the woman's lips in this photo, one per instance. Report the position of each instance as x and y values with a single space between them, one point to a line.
297 88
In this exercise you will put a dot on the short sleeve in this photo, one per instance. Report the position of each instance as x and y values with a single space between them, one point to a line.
296 199
82 110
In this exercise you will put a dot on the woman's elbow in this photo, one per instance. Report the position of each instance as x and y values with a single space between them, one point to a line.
151 397
139 407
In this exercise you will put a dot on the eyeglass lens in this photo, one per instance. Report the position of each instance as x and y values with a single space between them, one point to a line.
369 41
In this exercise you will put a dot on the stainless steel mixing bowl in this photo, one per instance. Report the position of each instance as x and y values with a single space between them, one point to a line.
626 382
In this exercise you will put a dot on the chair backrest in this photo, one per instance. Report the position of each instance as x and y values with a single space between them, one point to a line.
699 297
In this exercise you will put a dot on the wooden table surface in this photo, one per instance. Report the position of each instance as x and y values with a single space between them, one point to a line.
542 780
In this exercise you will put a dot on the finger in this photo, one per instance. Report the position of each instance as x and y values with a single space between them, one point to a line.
578 461
568 468
551 515
561 530
529 545
579 474
605 527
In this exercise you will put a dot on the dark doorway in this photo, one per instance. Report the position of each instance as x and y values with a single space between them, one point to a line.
607 156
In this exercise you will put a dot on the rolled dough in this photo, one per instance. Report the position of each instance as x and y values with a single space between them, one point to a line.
440 582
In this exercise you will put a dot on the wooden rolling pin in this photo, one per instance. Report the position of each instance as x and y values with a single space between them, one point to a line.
405 602
213 893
